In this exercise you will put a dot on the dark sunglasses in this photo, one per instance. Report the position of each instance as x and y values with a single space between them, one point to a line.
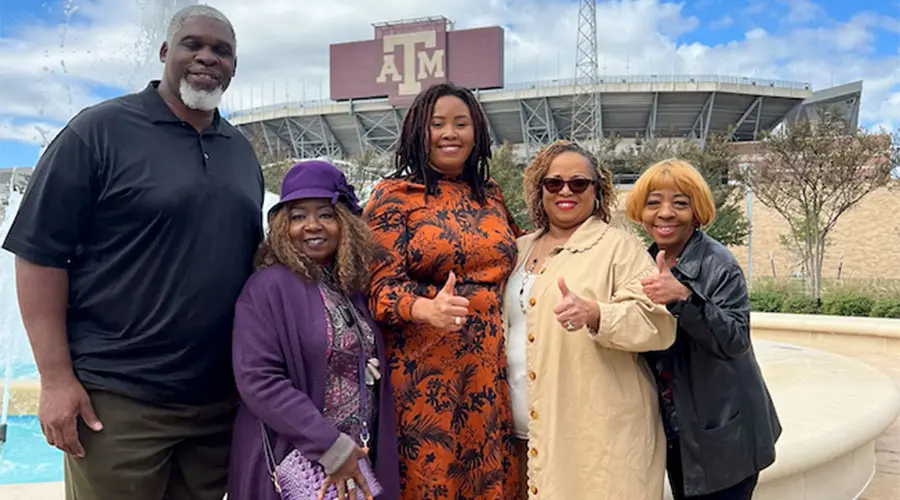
554 185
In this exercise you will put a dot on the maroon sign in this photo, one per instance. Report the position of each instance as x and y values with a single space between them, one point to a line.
405 59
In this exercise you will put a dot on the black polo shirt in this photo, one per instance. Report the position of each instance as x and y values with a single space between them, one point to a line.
157 225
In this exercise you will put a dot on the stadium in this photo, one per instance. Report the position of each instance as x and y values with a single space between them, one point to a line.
374 81
371 90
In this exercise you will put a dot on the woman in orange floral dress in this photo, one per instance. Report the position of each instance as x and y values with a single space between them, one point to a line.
447 245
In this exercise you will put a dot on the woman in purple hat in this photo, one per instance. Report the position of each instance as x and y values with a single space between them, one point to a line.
307 356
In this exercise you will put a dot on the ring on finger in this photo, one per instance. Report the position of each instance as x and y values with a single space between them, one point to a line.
458 320
570 326
351 484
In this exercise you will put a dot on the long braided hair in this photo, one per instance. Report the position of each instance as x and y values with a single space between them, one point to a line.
412 157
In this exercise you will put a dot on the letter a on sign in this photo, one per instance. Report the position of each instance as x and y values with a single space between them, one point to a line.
409 78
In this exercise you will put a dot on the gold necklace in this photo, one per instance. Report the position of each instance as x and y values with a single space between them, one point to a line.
529 273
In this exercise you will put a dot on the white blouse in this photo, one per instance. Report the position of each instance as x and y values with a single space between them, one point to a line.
518 289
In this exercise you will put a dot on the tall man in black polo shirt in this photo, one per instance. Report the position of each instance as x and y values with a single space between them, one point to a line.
133 241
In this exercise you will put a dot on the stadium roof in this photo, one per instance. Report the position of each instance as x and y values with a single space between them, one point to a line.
537 113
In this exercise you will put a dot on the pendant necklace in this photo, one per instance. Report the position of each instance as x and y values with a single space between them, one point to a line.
528 275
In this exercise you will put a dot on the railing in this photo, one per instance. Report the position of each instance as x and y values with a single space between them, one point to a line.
564 82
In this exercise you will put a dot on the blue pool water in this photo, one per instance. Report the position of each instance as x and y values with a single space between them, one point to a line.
26 457
21 371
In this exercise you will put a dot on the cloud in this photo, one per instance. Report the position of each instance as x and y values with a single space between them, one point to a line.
803 11
33 133
722 22
49 72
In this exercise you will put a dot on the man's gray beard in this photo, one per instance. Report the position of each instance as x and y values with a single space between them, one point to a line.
202 100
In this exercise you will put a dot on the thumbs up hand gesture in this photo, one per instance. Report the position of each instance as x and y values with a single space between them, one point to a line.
663 288
573 312
448 311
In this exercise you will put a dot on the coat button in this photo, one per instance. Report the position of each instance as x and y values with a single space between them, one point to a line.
532 302
534 490
533 452
532 375
530 338
534 415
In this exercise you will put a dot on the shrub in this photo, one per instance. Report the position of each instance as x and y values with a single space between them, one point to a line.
766 301
799 304
886 308
855 298
847 305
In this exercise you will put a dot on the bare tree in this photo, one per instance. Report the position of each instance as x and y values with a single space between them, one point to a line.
633 158
275 161
812 173
365 170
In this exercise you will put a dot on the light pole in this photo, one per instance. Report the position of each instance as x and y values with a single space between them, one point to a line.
748 197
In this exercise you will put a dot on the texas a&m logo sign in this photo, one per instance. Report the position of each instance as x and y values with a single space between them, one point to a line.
405 58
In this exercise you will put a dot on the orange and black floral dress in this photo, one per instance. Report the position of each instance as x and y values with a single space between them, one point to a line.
454 420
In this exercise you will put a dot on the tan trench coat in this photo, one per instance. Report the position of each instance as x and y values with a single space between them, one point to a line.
595 430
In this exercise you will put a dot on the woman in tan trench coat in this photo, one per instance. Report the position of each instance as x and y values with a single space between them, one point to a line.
584 404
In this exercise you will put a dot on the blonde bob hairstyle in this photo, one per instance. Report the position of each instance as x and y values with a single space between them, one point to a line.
679 176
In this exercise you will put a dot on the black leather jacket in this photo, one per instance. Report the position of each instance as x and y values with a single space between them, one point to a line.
727 425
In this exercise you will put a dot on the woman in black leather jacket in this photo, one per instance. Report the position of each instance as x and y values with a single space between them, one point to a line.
720 423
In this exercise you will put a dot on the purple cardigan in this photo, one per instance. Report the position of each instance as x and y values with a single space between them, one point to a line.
279 347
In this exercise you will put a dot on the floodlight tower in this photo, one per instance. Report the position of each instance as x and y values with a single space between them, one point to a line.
587 122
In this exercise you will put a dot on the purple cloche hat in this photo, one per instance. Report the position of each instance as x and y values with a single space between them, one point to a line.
317 179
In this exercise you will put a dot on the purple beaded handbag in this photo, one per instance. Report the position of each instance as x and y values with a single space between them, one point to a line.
298 478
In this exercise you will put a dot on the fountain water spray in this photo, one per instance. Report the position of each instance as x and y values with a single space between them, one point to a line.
151 17
10 318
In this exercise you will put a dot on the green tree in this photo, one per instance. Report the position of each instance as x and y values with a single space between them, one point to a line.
717 161
365 170
508 172
813 172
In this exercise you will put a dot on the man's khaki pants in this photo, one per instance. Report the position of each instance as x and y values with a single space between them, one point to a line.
149 452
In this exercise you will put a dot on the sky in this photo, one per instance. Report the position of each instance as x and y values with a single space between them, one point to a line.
58 56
